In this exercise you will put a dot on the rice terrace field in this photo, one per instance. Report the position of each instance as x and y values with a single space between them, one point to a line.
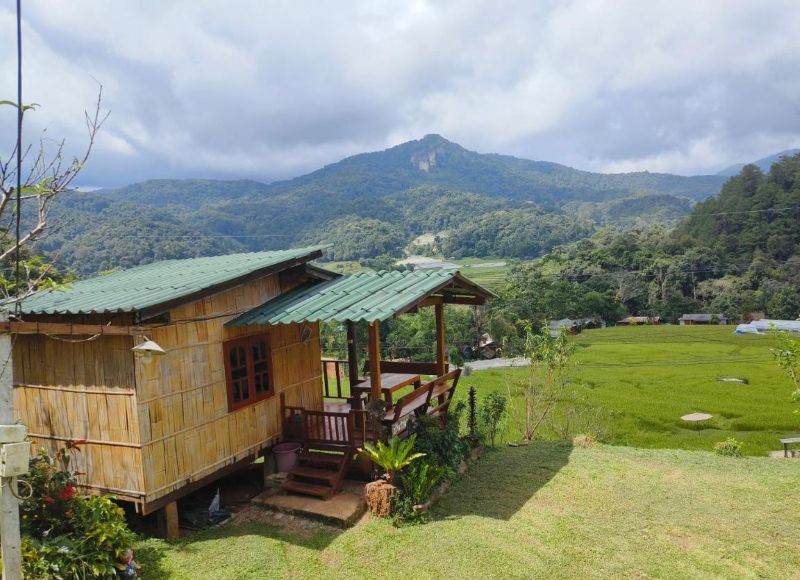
645 378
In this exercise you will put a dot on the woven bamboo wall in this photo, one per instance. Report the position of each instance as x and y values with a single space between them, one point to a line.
83 390
187 432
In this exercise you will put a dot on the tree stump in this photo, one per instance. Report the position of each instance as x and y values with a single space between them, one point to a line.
378 495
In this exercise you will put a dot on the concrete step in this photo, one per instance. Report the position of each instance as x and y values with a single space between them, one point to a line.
343 509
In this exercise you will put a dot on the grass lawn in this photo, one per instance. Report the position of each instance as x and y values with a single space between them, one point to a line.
543 510
647 377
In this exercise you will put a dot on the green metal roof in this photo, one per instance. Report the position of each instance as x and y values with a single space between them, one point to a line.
368 296
153 284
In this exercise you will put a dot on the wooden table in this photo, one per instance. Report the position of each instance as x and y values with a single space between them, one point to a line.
390 383
786 443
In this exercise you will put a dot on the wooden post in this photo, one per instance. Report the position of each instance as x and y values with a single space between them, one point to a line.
441 347
375 359
9 505
168 521
268 467
352 353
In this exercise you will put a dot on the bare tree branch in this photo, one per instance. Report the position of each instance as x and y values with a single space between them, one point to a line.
46 177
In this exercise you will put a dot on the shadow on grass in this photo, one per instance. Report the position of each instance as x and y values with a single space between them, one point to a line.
158 556
198 546
503 480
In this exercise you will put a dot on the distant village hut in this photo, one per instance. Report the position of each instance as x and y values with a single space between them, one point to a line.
692 319
566 324
639 320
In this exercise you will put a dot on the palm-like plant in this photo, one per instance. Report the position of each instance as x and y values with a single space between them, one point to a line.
392 456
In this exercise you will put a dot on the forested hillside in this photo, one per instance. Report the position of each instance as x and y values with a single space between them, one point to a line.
737 254
763 164
488 205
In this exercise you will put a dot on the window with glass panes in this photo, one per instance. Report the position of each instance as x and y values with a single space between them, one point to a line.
248 370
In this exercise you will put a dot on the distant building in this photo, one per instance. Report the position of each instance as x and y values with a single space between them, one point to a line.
589 323
691 319
574 325
639 320
571 326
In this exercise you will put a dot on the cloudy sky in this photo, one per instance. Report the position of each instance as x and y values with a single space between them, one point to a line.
272 89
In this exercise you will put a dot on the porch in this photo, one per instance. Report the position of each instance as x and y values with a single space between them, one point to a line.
384 397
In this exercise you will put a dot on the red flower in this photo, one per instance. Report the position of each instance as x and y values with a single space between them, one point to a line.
68 492
48 499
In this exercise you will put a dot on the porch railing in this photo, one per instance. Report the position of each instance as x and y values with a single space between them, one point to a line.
333 371
342 429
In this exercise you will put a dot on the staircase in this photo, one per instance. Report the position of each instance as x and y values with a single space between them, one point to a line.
320 470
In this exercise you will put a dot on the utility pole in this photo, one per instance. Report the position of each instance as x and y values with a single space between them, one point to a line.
15 451
14 457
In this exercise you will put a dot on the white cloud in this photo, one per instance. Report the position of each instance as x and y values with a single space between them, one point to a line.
266 90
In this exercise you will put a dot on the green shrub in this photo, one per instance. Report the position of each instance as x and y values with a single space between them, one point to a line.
50 507
416 485
443 450
442 445
419 480
402 508
729 448
392 456
66 535
472 416
493 412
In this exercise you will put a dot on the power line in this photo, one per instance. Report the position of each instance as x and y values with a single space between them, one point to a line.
767 210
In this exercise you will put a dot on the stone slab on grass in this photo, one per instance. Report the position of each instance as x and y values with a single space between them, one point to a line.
343 510
697 417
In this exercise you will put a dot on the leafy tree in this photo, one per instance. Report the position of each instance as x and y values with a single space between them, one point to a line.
787 355
493 412
351 238
784 303
413 336
546 383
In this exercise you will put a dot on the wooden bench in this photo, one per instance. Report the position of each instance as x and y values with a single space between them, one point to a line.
787 442
438 392
414 402
401 366
442 393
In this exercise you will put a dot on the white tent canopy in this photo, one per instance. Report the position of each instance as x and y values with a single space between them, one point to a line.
767 324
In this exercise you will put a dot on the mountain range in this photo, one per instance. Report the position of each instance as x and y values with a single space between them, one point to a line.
367 205
763 164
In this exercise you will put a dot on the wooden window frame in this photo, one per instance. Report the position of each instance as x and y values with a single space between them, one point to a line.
253 396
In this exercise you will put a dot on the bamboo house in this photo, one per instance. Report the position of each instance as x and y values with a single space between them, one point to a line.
179 372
